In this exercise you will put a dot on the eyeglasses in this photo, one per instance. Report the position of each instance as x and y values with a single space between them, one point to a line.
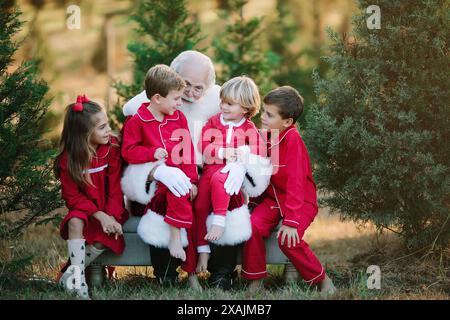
198 89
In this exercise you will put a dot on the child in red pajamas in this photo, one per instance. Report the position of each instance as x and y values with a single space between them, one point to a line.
290 197
222 140
159 131
89 167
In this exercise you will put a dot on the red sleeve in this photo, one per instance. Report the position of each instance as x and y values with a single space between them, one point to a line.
72 194
133 151
210 143
189 165
296 181
115 202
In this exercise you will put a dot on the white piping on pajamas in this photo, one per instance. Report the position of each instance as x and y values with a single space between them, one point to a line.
178 220
163 124
253 272
271 146
321 272
292 221
159 127
95 170
230 125
276 198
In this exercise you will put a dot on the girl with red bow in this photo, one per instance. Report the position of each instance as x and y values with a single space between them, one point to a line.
89 168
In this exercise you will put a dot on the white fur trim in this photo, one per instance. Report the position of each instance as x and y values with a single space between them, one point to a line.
155 231
134 180
238 228
259 169
132 106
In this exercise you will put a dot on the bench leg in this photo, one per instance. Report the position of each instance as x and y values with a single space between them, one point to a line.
96 275
290 274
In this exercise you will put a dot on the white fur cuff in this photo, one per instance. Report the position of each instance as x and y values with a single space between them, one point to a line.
238 228
155 231
259 169
134 181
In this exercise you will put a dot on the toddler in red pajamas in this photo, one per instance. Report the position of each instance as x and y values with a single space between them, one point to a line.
224 139
159 131
290 197
89 167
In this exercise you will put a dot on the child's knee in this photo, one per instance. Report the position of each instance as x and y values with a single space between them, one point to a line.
219 178
98 246
75 225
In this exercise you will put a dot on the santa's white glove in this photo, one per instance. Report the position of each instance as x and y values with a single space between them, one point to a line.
174 179
235 178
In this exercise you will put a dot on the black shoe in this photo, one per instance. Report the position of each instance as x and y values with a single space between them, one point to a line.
164 266
221 281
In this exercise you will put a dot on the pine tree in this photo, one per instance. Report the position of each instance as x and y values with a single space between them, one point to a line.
238 50
380 132
28 192
164 31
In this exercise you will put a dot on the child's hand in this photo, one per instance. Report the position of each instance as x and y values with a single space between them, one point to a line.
160 153
230 154
240 154
108 223
118 228
290 233
193 192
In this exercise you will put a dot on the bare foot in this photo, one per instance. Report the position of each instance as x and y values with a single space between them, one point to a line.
193 283
175 247
327 286
255 286
202 263
215 233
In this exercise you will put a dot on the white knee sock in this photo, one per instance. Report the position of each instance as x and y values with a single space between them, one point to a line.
91 254
77 254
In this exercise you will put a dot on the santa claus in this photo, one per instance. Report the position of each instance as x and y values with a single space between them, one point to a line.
200 101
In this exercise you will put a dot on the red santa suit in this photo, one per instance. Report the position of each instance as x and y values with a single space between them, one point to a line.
134 179
227 211
291 197
142 135
104 195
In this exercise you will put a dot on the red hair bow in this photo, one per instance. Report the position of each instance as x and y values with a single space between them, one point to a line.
78 107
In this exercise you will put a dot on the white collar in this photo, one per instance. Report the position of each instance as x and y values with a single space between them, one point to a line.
231 123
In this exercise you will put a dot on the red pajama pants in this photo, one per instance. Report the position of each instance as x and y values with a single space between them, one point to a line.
177 212
265 217
212 197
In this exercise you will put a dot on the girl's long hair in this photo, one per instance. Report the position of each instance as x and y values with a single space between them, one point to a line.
76 134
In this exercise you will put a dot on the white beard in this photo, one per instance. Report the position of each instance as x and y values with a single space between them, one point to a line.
197 113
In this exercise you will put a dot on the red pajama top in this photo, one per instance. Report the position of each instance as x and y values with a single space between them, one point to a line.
292 185
217 134
105 194
143 134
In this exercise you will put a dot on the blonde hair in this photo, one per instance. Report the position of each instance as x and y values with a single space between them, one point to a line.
161 79
243 91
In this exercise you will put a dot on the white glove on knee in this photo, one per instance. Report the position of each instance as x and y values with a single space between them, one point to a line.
235 178
174 179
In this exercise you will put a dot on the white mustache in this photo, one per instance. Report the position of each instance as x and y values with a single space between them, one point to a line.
188 99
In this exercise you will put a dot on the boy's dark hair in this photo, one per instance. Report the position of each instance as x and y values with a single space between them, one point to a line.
288 101
162 79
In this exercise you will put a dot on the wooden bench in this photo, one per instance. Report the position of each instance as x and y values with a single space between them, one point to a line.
137 253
